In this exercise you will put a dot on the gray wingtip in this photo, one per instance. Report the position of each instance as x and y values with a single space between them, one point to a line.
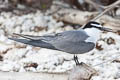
34 43
10 38
19 40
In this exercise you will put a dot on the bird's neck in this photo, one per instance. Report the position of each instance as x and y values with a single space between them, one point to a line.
93 33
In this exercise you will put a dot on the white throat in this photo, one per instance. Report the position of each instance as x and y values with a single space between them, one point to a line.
93 33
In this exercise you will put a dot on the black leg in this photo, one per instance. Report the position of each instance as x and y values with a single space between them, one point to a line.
76 60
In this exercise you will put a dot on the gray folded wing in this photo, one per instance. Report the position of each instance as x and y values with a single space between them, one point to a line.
69 41
72 42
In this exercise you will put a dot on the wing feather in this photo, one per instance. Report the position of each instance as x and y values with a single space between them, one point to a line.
68 41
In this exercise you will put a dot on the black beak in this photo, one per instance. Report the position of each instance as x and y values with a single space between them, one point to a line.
106 29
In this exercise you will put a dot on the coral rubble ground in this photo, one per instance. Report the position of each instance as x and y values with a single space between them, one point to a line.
17 57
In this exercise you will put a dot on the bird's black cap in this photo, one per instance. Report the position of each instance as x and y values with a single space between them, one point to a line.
88 25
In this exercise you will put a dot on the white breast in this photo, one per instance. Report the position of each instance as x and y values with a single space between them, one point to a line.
93 33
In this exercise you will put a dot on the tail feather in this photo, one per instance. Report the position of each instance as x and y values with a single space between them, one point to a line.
36 43
28 36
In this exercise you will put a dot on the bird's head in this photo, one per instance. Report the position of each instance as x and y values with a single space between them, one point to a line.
97 26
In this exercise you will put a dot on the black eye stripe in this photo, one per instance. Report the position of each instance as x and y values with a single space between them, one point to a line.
88 25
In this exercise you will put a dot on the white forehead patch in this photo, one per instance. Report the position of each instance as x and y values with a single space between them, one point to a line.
97 25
